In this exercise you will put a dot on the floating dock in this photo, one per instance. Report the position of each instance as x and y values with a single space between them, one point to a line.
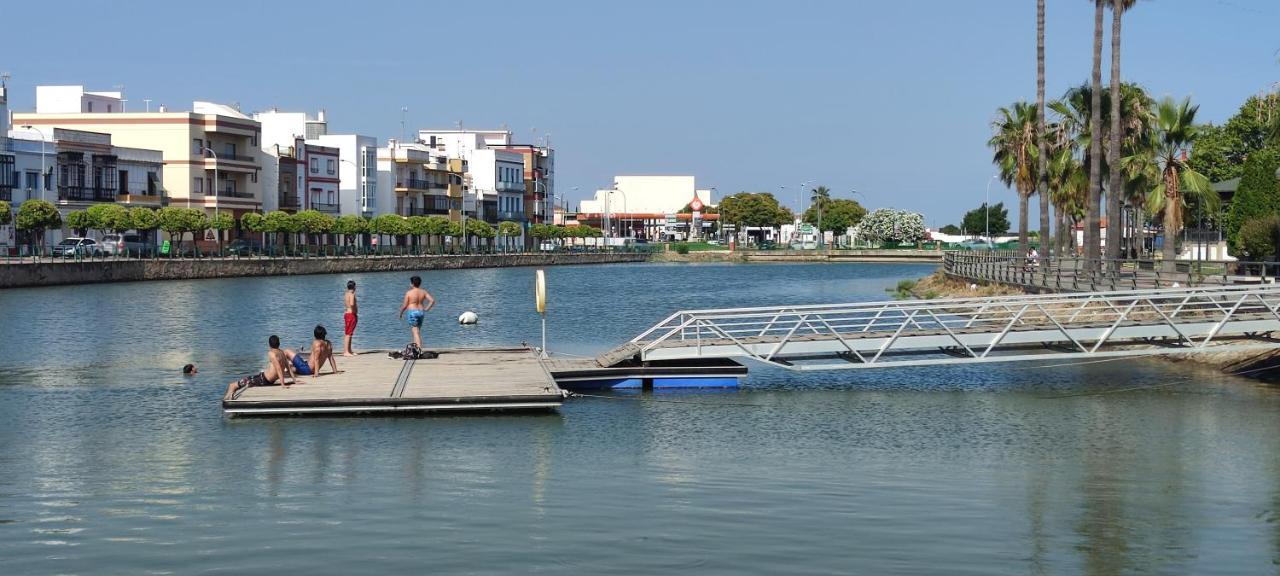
466 379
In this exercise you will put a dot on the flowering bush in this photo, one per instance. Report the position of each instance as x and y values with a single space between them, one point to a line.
886 225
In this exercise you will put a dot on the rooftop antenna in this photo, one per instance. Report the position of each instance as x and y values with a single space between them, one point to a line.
124 103
4 78
148 102
403 110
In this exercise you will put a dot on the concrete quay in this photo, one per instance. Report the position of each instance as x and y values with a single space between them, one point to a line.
18 274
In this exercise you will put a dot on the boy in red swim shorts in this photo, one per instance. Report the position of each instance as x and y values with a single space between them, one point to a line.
350 317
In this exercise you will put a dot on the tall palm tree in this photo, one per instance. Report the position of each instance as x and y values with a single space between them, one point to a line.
1114 197
1175 132
1042 183
818 198
1016 154
1093 216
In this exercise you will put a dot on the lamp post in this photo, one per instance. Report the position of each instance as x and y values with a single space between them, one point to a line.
43 178
986 207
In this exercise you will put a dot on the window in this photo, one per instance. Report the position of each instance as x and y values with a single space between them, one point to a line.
91 106
315 165
108 107
229 149
33 180
330 166
197 147
198 186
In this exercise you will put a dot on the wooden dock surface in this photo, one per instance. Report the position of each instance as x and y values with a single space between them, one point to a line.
459 379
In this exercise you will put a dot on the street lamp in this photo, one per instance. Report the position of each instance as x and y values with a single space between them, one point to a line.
43 178
986 207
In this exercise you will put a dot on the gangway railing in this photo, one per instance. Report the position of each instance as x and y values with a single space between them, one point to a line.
923 332
1080 274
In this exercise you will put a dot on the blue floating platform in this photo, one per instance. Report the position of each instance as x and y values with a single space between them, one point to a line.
583 375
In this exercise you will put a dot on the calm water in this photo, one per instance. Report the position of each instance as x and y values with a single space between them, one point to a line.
111 462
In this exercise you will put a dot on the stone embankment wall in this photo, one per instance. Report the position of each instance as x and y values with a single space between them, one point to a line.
15 275
801 256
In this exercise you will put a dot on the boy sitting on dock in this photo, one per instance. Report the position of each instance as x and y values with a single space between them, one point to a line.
321 353
277 371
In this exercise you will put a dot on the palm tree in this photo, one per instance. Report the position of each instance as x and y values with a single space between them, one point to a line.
818 198
1114 200
1042 183
1016 154
1093 214
1175 132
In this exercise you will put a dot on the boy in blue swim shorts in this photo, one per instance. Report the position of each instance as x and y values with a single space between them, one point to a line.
413 310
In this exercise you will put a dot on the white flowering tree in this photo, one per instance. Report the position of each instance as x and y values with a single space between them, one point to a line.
887 225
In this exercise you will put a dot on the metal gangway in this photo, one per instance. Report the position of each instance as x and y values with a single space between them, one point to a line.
968 330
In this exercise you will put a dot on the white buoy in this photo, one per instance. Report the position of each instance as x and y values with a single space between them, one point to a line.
468 317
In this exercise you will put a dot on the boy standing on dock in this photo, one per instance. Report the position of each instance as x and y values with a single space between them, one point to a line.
413 300
350 315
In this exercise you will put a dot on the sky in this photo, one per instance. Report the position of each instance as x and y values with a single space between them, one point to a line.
892 100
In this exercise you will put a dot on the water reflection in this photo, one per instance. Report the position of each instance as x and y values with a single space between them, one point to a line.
109 458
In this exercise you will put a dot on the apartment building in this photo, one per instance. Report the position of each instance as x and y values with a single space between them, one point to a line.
539 179
210 153
497 171
418 181
357 172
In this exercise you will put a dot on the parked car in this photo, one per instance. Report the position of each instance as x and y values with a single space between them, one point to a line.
122 244
77 247
244 247
977 245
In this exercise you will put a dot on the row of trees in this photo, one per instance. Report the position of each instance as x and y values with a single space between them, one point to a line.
1145 157
313 226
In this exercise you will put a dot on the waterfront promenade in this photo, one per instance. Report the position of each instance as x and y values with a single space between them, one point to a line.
18 273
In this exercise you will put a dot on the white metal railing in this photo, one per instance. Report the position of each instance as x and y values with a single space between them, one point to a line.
973 329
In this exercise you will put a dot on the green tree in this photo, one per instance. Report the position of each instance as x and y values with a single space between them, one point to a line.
1042 153
1115 201
6 213
1015 152
79 222
1259 192
508 230
1221 151
280 224
144 220
252 221
975 221
38 216
1176 131
221 222
950 229
758 209
350 225
1259 238
437 226
313 223
1093 209
836 215
109 218
418 226
480 229
178 221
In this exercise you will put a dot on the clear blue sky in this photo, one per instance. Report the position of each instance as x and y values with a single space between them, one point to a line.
893 99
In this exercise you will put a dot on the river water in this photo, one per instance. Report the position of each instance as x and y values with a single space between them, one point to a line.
111 462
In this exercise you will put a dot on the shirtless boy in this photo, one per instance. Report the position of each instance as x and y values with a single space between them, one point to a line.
278 371
413 311
350 315
321 353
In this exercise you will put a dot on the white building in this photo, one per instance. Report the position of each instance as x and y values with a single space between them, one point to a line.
649 206
414 180
357 172
290 142
76 100
496 175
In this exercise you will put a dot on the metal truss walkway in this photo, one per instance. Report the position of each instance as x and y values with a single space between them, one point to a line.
950 331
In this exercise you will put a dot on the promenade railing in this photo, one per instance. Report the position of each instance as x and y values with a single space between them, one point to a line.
1081 274
50 254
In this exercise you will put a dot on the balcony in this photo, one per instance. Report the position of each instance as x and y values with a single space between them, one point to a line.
413 184
228 193
510 186
140 195
71 193
514 216
324 207
288 201
220 157
6 193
